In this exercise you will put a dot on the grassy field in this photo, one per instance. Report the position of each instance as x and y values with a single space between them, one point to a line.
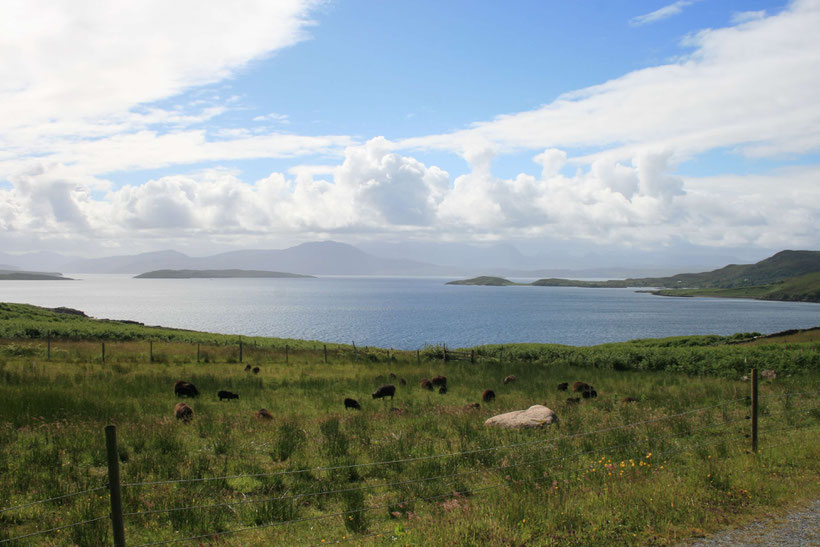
421 469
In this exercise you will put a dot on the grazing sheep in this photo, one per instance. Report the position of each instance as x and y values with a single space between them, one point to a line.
440 381
563 386
187 389
472 406
384 391
509 379
442 390
255 370
573 400
392 376
426 384
247 368
589 394
226 395
183 412
488 395
630 400
581 386
402 381
352 403
263 414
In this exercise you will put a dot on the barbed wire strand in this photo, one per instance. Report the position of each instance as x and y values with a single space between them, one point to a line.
551 477
416 481
331 515
60 497
432 456
41 532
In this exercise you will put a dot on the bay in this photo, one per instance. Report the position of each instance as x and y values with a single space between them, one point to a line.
406 312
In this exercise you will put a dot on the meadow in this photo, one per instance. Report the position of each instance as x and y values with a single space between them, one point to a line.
421 469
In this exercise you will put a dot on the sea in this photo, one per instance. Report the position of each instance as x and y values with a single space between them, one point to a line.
407 312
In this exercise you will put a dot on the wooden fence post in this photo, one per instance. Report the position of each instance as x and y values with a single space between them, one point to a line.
197 352
472 356
240 349
418 357
286 354
445 353
151 351
325 348
114 490
754 410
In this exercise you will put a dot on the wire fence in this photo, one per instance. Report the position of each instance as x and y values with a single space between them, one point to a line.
720 431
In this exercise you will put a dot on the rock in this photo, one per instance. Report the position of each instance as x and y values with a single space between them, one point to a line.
535 416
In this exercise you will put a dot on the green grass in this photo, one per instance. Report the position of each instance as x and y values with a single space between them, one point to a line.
656 483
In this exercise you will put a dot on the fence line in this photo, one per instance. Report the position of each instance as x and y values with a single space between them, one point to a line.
426 479
553 442
340 513
432 456
550 477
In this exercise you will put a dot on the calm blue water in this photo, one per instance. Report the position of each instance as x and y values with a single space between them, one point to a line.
407 313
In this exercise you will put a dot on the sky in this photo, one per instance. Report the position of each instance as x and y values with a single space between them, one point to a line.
206 126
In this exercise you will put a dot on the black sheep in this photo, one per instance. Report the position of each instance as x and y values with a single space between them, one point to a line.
227 395
488 395
589 393
255 370
384 391
563 386
439 381
352 403
426 384
187 389
581 386
247 368
442 390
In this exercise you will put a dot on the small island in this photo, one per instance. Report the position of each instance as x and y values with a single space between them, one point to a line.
215 274
15 275
485 280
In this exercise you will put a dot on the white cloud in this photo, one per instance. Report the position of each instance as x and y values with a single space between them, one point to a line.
750 88
660 14
82 59
375 191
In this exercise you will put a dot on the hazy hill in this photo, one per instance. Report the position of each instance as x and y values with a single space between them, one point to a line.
130 263
214 274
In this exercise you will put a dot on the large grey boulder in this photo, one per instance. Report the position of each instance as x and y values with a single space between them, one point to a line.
535 416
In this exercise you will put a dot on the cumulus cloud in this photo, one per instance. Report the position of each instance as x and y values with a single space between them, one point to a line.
749 88
376 191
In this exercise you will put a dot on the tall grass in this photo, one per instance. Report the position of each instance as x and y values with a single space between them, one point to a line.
592 479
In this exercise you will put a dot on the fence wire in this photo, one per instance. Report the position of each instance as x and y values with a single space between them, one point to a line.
433 456
427 479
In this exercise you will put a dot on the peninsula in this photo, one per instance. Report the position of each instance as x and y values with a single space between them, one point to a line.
787 276
18 275
214 274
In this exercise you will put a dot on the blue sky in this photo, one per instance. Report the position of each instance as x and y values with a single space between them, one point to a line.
634 124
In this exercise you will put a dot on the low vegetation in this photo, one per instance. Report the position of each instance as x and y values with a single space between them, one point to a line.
660 455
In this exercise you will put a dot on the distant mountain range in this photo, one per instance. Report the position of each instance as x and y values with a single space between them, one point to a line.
334 258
